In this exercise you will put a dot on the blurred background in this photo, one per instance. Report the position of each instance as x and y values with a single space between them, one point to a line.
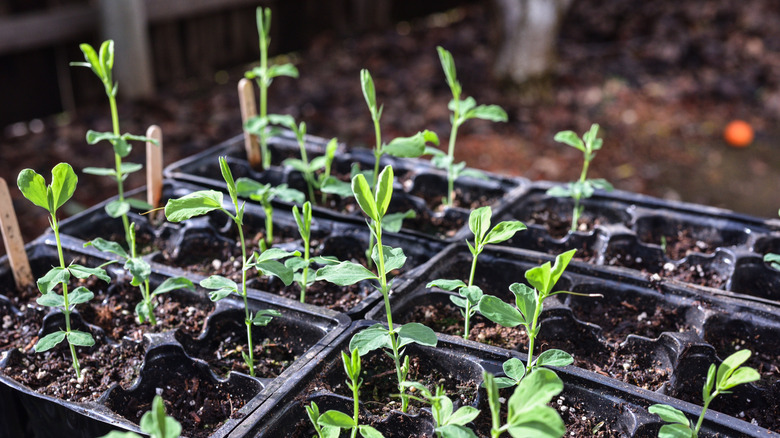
663 78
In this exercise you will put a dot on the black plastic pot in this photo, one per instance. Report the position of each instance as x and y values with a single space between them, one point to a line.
419 187
305 328
212 238
661 326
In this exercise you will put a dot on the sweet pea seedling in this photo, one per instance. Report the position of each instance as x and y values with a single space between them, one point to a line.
374 204
470 294
51 197
462 110
528 413
155 422
720 379
264 194
264 75
449 423
266 263
582 188
300 265
331 422
773 259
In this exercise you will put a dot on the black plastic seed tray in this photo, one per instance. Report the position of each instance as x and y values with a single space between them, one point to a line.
206 245
419 186
183 359
661 239
587 398
658 335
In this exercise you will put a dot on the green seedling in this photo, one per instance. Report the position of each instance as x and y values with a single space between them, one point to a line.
528 413
264 75
462 110
331 422
265 194
529 302
394 337
449 423
266 263
300 265
720 379
51 197
155 422
470 294
582 188
141 272
102 65
773 259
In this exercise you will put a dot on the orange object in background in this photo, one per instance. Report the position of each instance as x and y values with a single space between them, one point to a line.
738 133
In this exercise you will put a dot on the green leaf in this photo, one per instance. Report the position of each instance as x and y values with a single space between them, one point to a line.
464 415
364 197
83 272
117 208
264 316
537 388
107 57
273 267
570 138
336 419
94 137
500 312
63 184
116 433
104 245
503 231
542 422
289 194
173 283
193 204
448 285
51 299
122 147
79 295
367 431
227 175
52 278
247 187
140 269
142 312
514 369
81 339
288 70
464 106
448 65
394 222
473 293
559 191
156 423
675 431
601 183
131 167
455 431
92 59
344 274
370 339
742 375
406 147
394 257
773 260
334 186
525 299
669 414
275 254
384 191
479 223
554 358
33 187
460 302
494 113
221 287
729 365
49 341
414 332
139 204
369 94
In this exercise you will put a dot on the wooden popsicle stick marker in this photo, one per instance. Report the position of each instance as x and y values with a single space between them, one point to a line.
12 239
154 167
246 98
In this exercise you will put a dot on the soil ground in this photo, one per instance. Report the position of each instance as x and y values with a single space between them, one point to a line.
661 77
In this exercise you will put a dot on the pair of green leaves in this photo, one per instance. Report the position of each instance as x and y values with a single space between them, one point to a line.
122 147
49 197
330 423
528 413
263 18
449 423
347 273
479 224
720 379
515 371
265 193
589 143
469 295
378 336
467 108
102 65
266 263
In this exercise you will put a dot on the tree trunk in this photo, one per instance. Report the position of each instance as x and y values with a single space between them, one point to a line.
529 34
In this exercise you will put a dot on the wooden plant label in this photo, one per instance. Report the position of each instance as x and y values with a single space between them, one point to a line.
246 98
12 238
154 160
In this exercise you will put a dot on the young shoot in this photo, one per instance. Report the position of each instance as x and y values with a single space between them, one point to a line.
529 302
773 259
264 75
300 265
264 194
527 410
582 188
470 294
102 65
267 263
155 422
394 337
462 110
330 423
449 423
51 197
720 379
